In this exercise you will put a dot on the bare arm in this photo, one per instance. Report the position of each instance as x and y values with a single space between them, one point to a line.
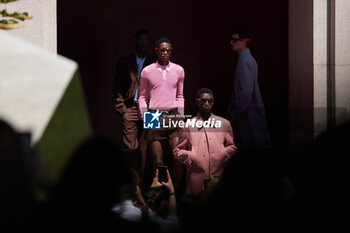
180 101
170 187
172 199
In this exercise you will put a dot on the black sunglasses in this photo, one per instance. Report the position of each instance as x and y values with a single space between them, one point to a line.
143 41
234 40
167 50
204 101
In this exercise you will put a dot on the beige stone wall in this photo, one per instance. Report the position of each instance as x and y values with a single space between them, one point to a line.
42 29
339 65
342 60
320 65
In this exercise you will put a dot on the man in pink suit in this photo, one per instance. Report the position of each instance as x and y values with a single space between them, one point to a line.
205 145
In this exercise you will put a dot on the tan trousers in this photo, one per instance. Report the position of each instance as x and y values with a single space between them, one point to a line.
135 144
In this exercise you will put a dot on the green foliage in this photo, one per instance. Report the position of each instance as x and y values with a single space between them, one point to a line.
8 20
6 1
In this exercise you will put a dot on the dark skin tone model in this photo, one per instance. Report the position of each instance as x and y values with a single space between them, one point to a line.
205 103
163 53
142 45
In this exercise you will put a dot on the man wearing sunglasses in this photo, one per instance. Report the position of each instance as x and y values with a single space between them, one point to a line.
163 81
205 150
246 110
126 85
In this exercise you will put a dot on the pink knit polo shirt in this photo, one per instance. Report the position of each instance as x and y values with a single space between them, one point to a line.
165 87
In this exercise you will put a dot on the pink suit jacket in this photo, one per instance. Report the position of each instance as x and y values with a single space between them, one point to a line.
205 152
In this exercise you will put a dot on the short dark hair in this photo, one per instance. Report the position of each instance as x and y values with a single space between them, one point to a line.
242 33
140 32
156 199
163 40
204 90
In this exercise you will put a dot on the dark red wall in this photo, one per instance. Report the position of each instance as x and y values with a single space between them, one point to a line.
97 33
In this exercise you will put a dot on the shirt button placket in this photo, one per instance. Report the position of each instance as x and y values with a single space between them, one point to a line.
164 74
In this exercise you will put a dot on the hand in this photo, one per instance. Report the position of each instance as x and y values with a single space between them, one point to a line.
119 105
156 183
140 202
169 185
131 114
181 155
144 212
138 197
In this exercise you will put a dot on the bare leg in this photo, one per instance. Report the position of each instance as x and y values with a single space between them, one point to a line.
157 154
178 167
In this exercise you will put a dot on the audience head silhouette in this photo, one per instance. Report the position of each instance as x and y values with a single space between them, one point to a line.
16 184
97 174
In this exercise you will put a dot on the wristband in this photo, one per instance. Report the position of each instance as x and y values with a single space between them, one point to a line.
170 194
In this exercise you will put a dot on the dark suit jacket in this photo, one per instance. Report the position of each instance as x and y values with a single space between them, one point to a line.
126 80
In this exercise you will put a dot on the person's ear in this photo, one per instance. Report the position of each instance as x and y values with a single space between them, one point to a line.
198 101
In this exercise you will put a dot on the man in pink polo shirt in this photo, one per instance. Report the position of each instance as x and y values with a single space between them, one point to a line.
163 82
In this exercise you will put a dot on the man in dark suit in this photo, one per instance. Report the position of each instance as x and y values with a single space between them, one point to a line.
246 110
126 85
